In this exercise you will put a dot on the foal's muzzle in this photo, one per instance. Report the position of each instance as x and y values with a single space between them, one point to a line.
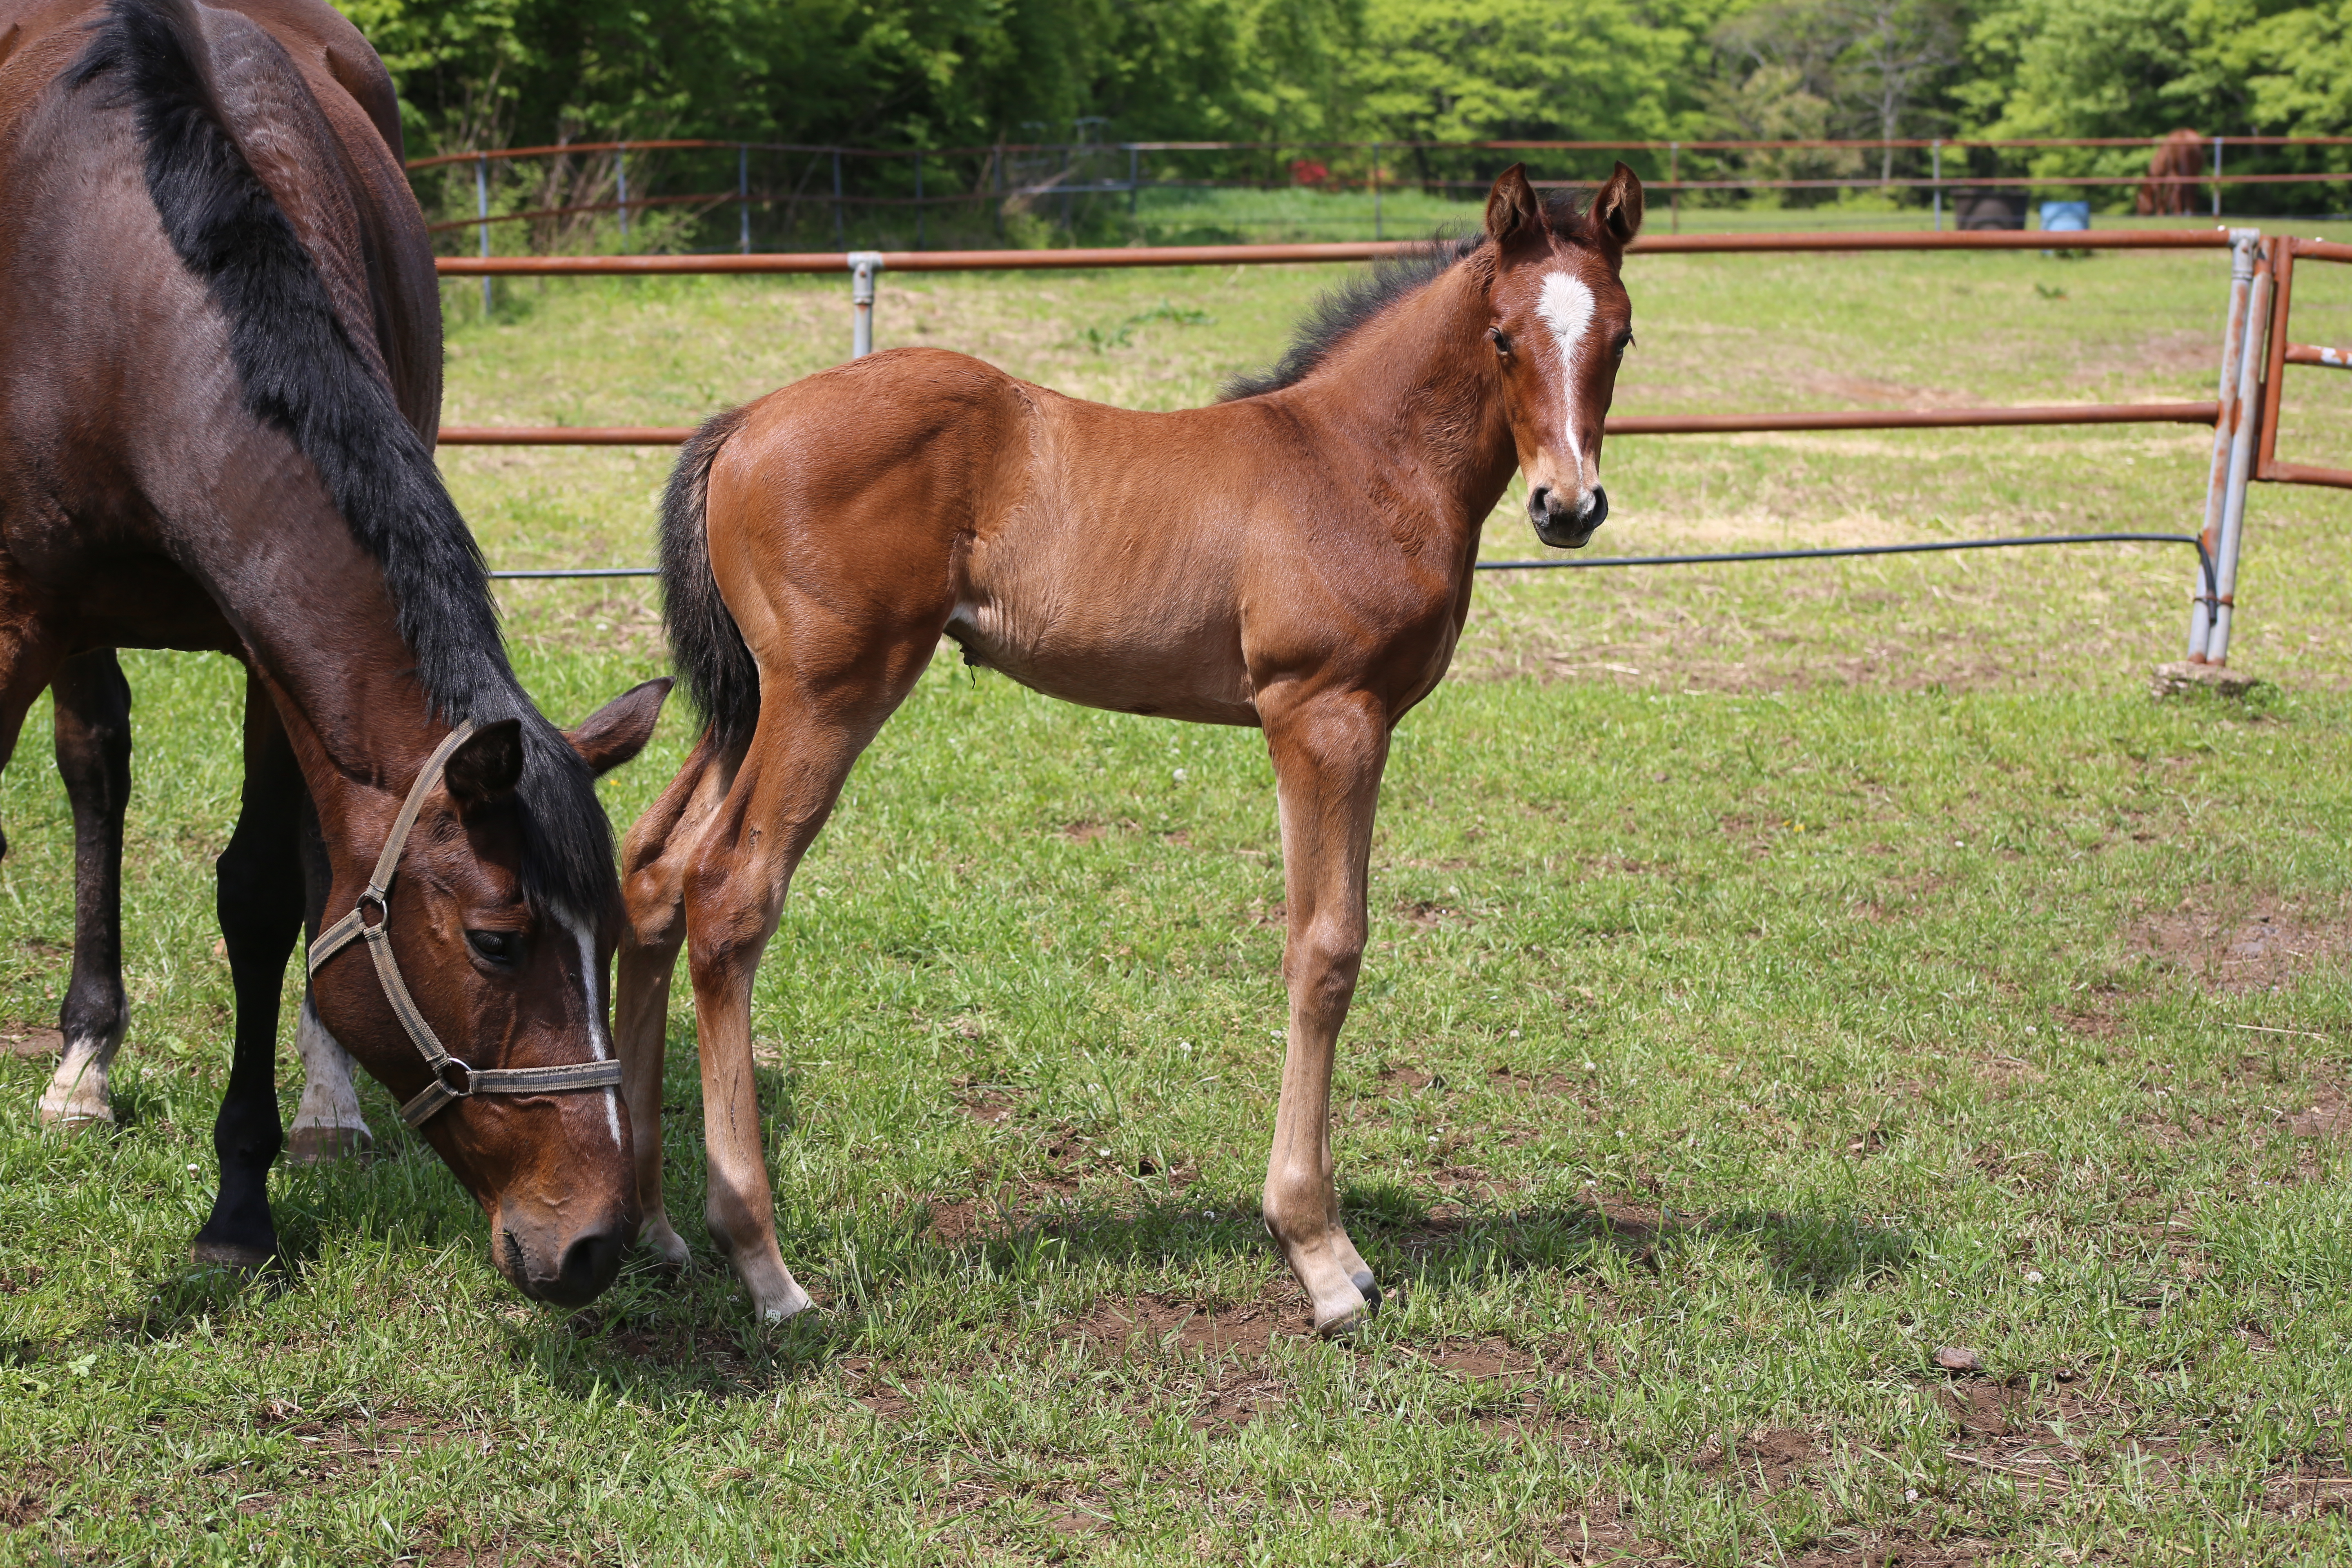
1564 524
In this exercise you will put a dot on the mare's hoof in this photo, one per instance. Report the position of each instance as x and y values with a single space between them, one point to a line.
233 1257
326 1145
74 1123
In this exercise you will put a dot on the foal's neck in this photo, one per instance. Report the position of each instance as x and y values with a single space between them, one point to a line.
1419 383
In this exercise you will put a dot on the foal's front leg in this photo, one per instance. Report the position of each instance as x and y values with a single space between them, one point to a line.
93 740
1327 754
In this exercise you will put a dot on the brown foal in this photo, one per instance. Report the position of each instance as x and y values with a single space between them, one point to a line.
1296 557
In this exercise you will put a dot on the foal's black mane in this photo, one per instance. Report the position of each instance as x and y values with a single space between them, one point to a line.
302 374
1365 295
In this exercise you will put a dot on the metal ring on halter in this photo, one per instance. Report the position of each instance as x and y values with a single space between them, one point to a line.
376 937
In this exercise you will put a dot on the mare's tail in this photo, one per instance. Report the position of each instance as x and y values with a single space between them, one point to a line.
705 643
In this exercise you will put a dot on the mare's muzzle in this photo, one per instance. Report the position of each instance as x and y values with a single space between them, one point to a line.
1564 524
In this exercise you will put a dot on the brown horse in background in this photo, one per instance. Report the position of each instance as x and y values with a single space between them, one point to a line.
1297 558
2172 175
219 380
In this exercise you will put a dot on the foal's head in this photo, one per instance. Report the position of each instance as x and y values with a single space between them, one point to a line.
1559 324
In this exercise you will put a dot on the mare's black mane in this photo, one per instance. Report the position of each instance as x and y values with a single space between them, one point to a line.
1367 294
303 375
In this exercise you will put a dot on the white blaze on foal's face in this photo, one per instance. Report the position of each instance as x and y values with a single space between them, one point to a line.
1565 307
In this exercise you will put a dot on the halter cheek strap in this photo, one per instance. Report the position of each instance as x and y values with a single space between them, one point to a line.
452 1080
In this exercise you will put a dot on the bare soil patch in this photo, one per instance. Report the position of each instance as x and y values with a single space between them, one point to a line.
31 1040
1228 1344
2267 947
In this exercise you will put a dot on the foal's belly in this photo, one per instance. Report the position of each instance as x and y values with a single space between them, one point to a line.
1155 664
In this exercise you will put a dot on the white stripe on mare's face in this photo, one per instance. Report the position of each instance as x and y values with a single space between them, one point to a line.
1565 307
598 1045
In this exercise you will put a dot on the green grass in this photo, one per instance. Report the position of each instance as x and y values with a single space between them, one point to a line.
1776 974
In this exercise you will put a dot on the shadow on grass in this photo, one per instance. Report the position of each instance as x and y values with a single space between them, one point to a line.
657 1337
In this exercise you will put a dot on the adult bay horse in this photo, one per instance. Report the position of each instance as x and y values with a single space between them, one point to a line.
219 380
1296 557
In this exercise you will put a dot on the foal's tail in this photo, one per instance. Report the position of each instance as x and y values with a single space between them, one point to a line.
705 643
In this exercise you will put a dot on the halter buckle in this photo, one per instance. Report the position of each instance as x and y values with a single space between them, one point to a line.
381 901
455 1076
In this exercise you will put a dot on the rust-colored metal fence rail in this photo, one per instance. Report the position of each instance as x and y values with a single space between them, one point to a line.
2246 403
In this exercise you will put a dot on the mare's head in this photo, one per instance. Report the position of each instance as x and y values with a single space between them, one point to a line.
1559 325
507 965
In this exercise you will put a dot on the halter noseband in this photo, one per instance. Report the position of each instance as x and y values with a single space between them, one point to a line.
452 1079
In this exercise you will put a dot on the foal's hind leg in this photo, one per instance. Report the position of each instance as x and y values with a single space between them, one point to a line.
93 740
1328 752
809 735
654 859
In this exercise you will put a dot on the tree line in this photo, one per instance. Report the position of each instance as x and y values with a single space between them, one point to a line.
477 74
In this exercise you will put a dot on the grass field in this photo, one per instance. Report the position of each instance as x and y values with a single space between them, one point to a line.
1778 974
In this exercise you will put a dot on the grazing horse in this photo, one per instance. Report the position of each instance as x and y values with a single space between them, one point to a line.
1296 557
219 379
2173 174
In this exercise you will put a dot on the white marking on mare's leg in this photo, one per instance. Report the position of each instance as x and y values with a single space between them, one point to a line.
77 1096
1565 307
328 1124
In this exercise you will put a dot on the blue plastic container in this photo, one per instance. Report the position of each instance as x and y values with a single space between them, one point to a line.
2065 217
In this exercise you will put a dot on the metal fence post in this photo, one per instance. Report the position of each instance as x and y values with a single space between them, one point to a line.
863 266
1675 186
482 207
1376 192
1936 173
919 199
744 190
2242 457
1134 167
621 175
2217 486
2217 176
840 234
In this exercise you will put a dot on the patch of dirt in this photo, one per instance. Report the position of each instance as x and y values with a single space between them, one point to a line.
1085 830
2330 1115
31 1040
367 1439
1229 1344
1489 1358
1768 1456
985 1102
16 1281
24 1496
1422 914
872 1385
1903 1552
2265 948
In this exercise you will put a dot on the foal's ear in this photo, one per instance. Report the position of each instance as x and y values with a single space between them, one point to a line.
1512 211
484 768
619 730
1617 206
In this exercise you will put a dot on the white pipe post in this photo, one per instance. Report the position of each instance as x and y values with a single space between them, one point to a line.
2217 483
863 266
482 207
2241 463
2217 176
744 190
621 175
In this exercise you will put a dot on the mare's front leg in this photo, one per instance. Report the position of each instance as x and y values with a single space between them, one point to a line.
1329 749
94 742
260 903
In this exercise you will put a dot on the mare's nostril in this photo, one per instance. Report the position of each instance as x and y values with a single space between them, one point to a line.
590 1264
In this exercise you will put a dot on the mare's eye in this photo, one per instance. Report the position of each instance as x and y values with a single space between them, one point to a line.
501 947
1500 339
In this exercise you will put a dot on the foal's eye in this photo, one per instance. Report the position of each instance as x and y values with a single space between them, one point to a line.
501 947
1624 342
1500 339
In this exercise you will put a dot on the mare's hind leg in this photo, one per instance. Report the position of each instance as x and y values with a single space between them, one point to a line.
810 734
653 883
94 742
1328 751
328 1124
260 902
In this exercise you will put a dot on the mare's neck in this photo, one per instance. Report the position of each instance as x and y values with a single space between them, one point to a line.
1419 383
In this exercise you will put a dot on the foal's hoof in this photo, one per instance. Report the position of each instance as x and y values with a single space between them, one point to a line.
231 1257
74 1123
1369 1289
326 1145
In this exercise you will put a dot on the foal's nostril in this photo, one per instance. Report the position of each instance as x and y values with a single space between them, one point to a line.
1596 508
1540 502
589 1265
